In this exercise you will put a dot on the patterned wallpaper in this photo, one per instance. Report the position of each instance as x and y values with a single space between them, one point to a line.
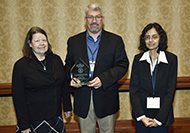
64 18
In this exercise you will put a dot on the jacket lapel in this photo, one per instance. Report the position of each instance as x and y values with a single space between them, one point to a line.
160 73
50 59
102 46
147 74
83 47
146 69
34 64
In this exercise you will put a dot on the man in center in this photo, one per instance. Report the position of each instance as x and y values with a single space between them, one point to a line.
105 54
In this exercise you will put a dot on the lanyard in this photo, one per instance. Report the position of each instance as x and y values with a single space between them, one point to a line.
92 52
154 75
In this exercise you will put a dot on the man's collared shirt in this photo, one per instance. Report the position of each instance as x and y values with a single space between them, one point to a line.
92 49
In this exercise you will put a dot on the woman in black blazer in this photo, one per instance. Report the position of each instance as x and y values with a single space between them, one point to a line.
38 85
153 82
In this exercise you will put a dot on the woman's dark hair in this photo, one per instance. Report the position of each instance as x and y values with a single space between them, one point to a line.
27 50
162 34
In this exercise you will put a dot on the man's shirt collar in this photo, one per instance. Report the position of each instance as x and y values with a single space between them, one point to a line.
91 38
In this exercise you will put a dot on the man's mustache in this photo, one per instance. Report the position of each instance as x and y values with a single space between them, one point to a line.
94 23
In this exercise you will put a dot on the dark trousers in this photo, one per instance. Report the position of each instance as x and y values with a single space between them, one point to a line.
141 128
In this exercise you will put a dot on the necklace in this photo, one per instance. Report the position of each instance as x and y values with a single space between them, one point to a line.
43 64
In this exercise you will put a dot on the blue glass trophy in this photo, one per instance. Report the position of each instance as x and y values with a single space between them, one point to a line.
80 72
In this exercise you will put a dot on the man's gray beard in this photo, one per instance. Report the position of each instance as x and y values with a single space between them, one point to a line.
94 31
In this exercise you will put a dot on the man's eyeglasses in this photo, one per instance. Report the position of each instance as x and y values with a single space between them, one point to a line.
154 37
91 18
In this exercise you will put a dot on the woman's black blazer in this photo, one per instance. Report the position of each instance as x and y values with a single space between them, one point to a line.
37 93
141 88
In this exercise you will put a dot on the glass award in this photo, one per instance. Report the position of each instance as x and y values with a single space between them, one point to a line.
80 72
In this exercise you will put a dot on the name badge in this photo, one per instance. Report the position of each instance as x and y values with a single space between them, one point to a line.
92 65
153 102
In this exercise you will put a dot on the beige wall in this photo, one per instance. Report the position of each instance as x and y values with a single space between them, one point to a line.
64 18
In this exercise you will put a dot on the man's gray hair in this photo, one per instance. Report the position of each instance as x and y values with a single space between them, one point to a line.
93 7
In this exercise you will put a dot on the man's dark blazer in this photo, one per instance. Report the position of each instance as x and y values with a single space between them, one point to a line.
141 88
37 93
111 65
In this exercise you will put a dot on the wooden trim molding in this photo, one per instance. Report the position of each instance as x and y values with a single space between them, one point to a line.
182 83
5 88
